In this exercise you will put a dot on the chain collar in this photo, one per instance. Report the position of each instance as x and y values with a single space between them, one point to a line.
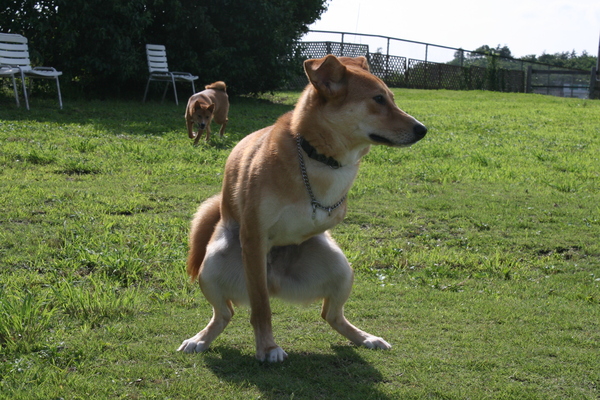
313 201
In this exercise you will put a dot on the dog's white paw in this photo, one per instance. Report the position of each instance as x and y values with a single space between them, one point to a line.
193 345
374 342
275 355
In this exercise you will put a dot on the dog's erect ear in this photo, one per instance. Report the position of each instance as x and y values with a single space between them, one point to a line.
360 62
326 75
364 64
211 108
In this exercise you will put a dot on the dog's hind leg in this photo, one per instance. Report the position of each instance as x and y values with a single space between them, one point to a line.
333 303
221 279
222 313
318 269
333 313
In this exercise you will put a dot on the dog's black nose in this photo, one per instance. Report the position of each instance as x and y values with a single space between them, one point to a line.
420 130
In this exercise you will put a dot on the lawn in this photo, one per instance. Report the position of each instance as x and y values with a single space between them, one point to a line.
476 251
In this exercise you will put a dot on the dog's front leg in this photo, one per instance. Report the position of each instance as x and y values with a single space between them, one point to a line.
208 128
222 130
207 132
254 255
190 128
198 136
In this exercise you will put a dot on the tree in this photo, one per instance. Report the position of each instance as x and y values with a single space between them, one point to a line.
483 55
100 44
256 39
480 56
567 59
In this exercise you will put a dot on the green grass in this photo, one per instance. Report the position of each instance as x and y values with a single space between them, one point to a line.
476 254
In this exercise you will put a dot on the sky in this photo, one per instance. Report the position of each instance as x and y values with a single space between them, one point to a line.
525 26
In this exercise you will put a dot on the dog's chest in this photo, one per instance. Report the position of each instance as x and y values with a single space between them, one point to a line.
298 223
316 206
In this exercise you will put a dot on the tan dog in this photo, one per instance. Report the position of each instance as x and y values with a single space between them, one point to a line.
203 107
284 186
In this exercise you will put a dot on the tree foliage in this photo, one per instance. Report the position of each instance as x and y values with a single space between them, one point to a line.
565 59
100 44
483 55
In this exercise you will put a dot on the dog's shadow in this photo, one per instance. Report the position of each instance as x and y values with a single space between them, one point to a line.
343 375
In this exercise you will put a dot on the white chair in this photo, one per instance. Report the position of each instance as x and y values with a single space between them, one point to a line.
14 56
159 71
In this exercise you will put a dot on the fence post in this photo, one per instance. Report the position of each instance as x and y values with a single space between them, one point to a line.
595 78
528 85
387 60
388 47
594 84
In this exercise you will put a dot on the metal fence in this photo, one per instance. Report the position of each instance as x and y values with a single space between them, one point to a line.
467 70
397 71
340 49
418 74
557 82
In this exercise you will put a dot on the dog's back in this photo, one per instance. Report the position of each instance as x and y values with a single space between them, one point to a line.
221 100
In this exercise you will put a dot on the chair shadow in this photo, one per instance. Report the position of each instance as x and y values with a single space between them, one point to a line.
343 375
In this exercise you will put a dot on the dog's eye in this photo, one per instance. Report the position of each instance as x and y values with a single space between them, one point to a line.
379 99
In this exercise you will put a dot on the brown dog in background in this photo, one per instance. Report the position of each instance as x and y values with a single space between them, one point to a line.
284 187
203 107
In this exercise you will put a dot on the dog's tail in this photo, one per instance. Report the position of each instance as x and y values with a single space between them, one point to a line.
203 225
219 85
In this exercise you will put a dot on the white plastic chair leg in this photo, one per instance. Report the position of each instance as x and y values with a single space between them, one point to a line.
59 95
15 90
146 91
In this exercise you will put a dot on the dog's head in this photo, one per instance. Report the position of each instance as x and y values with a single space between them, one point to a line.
359 103
202 113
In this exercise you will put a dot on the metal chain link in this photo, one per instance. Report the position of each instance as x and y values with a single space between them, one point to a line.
313 201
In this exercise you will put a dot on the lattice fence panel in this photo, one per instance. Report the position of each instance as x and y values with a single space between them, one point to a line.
424 75
391 69
321 49
475 78
444 76
511 80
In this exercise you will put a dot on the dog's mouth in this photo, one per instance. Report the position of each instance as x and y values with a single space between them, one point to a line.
406 139
380 139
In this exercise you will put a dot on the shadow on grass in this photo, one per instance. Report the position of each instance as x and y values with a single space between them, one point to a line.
343 375
122 117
